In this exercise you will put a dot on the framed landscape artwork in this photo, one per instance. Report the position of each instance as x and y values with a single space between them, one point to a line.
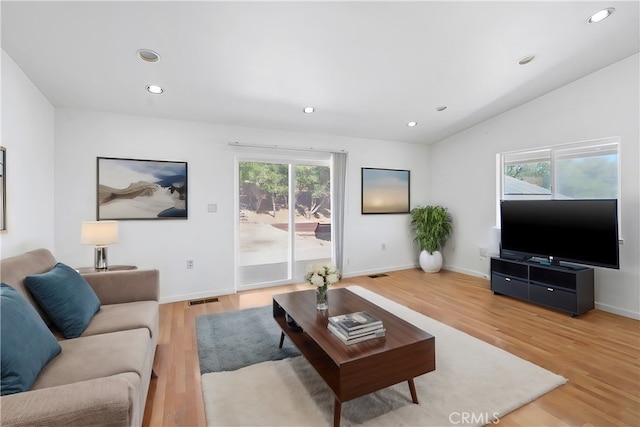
141 189
385 191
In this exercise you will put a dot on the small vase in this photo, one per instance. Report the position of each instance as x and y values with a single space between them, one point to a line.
321 298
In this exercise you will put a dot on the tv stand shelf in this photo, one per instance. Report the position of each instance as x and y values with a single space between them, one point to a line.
568 289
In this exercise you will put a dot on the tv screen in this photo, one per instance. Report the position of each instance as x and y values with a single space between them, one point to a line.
579 231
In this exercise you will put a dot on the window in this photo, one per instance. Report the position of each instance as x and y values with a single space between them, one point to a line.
585 170
284 219
526 174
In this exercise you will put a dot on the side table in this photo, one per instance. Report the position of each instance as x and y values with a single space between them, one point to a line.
84 270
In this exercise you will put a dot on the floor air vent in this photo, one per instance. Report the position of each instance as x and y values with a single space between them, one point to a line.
375 276
202 301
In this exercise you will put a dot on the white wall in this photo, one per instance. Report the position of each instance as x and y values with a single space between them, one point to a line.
208 238
27 134
463 170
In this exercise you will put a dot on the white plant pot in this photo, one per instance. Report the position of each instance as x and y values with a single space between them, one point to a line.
431 263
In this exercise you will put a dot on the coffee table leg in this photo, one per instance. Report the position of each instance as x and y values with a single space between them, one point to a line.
412 388
281 339
337 412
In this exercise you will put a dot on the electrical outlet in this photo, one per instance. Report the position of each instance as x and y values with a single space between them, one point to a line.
483 252
384 246
189 263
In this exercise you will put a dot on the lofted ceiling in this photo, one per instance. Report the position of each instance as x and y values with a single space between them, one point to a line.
368 68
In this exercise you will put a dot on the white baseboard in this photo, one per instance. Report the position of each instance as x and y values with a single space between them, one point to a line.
197 295
466 271
617 310
378 270
416 265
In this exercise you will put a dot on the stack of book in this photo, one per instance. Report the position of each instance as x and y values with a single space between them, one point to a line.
356 327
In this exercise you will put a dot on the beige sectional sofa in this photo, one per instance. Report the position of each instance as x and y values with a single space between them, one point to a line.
102 376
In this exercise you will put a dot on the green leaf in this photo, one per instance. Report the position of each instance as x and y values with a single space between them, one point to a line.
432 226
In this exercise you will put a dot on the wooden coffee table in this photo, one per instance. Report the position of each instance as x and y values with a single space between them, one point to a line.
355 370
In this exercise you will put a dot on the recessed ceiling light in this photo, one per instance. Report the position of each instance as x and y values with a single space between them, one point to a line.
412 124
441 108
526 59
599 16
156 90
148 55
309 110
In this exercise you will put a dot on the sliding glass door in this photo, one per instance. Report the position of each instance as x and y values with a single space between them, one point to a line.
284 220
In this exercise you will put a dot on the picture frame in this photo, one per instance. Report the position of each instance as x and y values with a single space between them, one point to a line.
137 189
3 189
385 191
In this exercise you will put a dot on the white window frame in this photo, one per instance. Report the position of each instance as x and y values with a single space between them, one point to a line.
293 159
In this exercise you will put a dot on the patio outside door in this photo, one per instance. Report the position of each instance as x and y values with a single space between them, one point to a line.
284 221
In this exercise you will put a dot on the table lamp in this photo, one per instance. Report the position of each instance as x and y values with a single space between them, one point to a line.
100 234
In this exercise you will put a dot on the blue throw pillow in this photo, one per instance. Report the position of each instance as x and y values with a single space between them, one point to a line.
26 342
66 297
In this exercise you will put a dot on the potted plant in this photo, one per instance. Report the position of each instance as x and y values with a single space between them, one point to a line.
432 226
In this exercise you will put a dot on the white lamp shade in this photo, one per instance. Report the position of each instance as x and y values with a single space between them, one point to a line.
99 233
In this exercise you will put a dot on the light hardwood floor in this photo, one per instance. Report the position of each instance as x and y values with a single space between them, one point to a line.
598 352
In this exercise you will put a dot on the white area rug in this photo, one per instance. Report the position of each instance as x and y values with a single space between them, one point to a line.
474 384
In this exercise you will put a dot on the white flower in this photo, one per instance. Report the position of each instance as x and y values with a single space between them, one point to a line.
317 280
331 269
333 278
322 274
315 269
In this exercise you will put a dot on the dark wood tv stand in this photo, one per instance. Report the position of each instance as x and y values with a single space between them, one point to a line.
569 289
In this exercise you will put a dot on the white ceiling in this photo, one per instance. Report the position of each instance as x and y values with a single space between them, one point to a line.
367 67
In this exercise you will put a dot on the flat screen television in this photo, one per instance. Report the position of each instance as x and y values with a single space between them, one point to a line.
574 231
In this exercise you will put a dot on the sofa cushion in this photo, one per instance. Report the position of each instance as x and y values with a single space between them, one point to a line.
121 317
26 342
13 270
98 356
66 298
